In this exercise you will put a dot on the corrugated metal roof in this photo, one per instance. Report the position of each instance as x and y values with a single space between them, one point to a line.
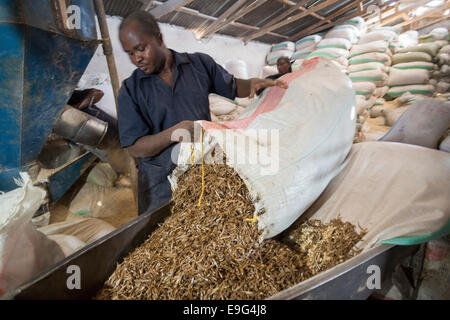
198 15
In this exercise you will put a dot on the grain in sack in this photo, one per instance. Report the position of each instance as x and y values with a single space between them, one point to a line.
382 58
402 77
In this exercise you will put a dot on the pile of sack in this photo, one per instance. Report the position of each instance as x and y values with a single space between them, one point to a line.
282 49
337 42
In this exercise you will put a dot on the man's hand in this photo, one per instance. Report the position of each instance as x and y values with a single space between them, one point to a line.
256 84
248 88
184 131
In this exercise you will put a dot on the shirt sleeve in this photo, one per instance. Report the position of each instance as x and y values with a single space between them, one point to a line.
132 125
222 82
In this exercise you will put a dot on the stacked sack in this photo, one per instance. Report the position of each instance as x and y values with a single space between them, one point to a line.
412 68
337 42
282 49
368 69
305 46
441 77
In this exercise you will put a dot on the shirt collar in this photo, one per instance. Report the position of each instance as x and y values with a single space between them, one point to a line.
180 58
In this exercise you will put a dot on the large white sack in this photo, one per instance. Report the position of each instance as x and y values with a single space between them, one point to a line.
382 58
440 33
334 43
403 77
431 48
416 65
407 39
352 27
379 78
368 66
272 57
445 49
423 89
385 35
310 128
397 192
363 105
298 55
380 46
307 42
364 88
24 251
268 71
344 33
359 22
410 57
237 68
220 105
285 45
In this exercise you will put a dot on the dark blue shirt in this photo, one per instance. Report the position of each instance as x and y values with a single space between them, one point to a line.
148 105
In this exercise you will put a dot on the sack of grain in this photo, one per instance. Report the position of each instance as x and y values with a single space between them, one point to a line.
366 89
363 105
424 89
379 102
384 35
331 53
220 105
442 87
430 48
372 132
382 110
439 33
415 65
369 189
358 22
404 77
380 46
445 49
315 115
443 58
309 42
410 57
301 54
268 71
368 66
393 115
283 46
24 251
381 91
273 56
334 43
427 38
237 68
371 57
441 43
422 124
408 39
344 33
377 77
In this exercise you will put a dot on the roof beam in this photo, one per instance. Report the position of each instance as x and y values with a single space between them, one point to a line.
167 7
399 14
431 12
145 6
289 20
308 30
242 12
329 25
216 25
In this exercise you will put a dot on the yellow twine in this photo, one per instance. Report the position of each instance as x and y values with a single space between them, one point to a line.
192 154
203 171
254 219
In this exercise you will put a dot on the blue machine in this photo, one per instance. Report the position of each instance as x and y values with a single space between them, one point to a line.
41 63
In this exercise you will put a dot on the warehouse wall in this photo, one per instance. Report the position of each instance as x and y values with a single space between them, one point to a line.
221 48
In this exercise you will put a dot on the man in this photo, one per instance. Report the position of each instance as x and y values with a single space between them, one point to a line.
284 66
168 91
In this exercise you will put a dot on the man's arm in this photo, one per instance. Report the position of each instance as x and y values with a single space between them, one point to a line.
152 145
248 88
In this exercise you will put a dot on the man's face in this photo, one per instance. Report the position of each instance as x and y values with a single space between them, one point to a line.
283 66
145 51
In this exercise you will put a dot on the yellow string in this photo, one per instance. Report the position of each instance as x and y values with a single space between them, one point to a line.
192 154
203 171
254 219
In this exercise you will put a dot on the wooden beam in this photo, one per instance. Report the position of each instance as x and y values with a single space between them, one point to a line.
399 14
442 18
216 25
329 25
145 6
290 20
242 12
427 14
167 7
308 30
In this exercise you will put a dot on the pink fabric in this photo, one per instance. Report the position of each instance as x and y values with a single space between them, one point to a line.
270 102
